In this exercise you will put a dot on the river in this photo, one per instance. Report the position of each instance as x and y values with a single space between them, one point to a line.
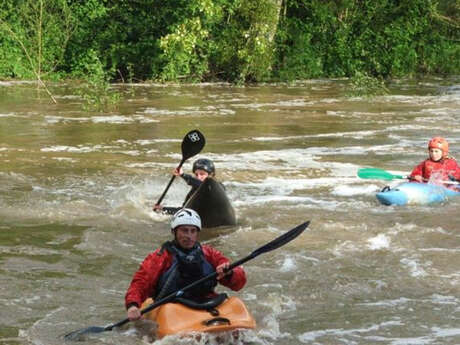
77 187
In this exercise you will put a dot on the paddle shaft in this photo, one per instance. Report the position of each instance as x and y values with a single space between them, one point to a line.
170 183
425 180
375 173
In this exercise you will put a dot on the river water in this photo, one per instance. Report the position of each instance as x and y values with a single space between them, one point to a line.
76 190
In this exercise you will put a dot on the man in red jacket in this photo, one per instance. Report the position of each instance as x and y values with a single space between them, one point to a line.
439 167
179 263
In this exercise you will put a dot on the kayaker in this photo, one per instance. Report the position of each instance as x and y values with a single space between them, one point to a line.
179 263
439 167
202 169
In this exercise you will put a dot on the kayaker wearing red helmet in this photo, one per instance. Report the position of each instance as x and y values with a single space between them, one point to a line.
178 263
202 168
439 166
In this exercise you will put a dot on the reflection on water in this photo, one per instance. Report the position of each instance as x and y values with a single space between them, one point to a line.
76 190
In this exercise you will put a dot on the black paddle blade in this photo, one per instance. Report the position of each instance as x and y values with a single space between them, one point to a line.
283 239
79 335
192 144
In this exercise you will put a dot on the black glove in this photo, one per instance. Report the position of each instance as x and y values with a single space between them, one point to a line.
452 178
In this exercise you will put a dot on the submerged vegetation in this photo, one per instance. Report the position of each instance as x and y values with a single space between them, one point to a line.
227 40
367 86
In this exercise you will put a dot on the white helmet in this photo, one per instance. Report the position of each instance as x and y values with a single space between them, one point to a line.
186 216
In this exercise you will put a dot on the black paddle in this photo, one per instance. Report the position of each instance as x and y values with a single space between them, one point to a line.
272 245
192 144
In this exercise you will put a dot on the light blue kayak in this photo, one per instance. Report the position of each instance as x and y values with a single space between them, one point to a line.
412 193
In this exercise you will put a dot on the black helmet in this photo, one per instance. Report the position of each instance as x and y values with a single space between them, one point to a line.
204 164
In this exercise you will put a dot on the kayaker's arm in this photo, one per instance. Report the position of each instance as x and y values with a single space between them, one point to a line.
417 173
166 209
145 279
170 210
191 181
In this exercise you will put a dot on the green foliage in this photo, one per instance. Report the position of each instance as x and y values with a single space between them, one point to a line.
363 85
243 48
85 41
380 38
95 88
183 49
233 40
13 62
35 34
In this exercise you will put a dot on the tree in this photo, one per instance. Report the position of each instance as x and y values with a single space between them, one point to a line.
42 29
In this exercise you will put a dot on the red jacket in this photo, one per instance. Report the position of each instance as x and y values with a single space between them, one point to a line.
155 264
439 170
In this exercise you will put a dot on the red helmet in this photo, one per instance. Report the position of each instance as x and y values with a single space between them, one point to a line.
439 143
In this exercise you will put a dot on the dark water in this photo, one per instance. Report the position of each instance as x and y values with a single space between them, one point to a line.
76 190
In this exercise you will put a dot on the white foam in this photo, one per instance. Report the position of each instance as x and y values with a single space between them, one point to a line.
112 119
388 303
154 141
347 190
414 267
16 82
167 112
57 119
378 242
445 332
354 134
287 265
10 115
64 159
63 148
423 340
308 337
289 159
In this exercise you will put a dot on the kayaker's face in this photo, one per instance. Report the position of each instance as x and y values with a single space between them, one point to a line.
186 236
435 154
201 174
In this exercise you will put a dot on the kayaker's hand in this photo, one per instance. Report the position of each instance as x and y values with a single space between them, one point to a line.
157 208
452 178
134 313
417 178
178 172
223 271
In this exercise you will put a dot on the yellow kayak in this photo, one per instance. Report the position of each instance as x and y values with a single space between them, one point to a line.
174 318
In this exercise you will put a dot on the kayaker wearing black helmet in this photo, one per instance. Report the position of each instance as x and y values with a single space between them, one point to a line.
202 168
178 263
204 164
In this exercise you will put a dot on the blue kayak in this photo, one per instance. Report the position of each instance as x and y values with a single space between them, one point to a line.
413 193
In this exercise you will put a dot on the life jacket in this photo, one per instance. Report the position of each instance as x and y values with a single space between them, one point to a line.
186 268
439 170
